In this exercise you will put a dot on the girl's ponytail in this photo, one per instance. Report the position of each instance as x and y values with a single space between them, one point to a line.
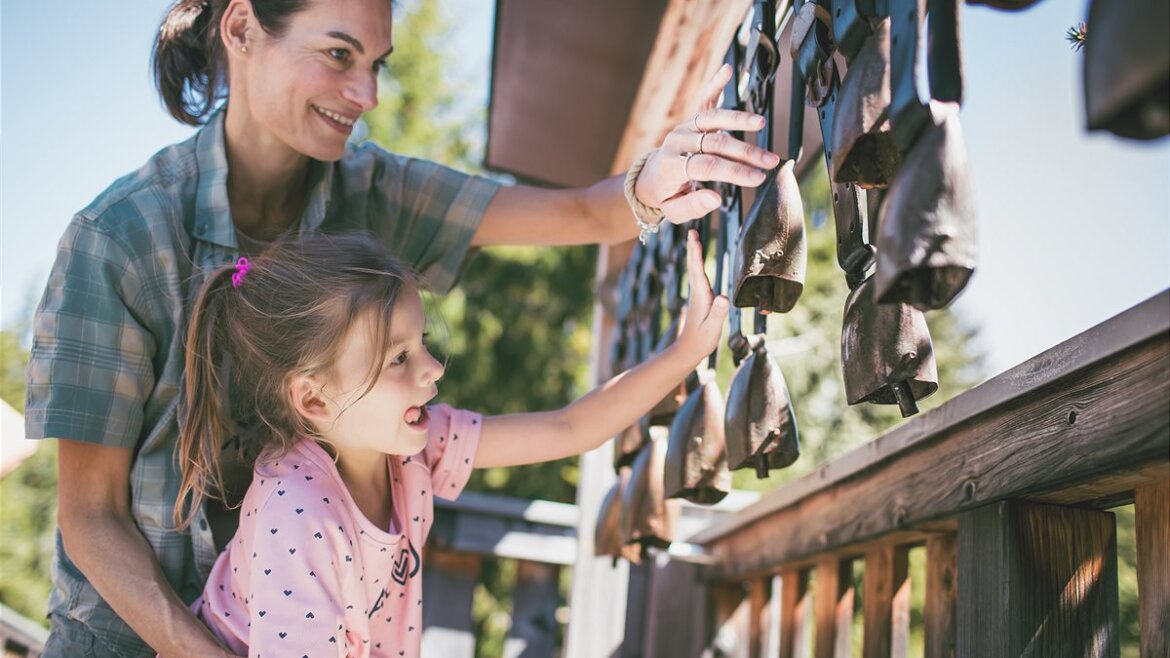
206 417
188 62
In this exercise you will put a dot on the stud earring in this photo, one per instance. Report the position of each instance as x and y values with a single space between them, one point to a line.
243 49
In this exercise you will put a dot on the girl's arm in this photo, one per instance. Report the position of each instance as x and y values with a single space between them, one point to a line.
516 439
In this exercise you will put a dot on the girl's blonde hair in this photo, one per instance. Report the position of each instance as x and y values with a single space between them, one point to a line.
254 327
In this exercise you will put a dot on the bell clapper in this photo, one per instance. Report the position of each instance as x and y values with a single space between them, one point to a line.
905 398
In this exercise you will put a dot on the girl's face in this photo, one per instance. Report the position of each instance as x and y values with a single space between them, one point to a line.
308 87
391 418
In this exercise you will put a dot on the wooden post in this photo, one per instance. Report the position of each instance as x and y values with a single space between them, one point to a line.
941 586
677 613
1037 580
886 602
834 601
795 621
1152 522
449 580
534 623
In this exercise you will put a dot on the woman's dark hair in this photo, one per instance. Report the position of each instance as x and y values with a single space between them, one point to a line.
288 316
190 69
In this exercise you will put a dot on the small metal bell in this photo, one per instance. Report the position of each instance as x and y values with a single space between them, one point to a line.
771 259
886 353
760 426
647 516
926 247
696 454
864 151
627 444
1127 68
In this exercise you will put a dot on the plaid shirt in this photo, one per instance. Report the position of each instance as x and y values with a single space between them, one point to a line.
108 352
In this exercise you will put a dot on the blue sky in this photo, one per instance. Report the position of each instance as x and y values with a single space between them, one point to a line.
1074 228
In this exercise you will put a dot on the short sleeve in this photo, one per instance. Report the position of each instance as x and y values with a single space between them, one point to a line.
301 559
451 446
425 213
90 370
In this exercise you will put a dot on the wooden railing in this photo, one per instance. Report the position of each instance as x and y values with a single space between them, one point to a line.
1005 486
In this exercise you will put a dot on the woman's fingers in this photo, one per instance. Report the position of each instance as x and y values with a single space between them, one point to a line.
723 145
705 308
714 87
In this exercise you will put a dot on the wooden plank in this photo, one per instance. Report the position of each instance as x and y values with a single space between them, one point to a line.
795 621
834 602
1038 581
886 602
449 580
636 608
534 624
1122 425
760 598
941 590
1152 522
692 40
1126 332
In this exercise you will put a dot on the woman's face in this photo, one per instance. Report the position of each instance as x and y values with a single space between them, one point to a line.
308 87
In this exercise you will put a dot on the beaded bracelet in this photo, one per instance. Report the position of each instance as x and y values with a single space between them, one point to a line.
645 228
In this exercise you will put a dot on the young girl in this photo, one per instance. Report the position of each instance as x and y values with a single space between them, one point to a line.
321 340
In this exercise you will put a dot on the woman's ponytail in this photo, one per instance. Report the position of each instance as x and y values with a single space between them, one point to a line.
188 60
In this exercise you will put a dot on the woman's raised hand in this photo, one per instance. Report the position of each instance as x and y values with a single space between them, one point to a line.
706 311
702 150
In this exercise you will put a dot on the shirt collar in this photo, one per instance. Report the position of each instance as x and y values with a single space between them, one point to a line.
213 215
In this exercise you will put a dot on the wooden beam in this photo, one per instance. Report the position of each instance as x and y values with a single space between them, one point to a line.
692 40
1037 580
941 589
676 614
1096 406
1152 522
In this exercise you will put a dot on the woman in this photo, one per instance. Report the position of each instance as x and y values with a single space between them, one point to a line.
107 361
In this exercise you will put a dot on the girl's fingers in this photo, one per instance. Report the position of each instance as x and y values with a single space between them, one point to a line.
690 205
725 119
723 145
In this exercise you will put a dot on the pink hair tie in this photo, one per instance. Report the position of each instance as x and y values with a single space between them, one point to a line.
242 267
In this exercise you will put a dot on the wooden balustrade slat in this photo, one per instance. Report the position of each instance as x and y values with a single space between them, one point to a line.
534 604
1152 522
1037 580
795 621
941 585
760 597
676 617
886 602
834 605
731 617
449 580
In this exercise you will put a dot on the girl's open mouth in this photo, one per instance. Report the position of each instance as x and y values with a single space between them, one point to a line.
417 417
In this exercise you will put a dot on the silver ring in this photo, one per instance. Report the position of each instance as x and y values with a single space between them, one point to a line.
695 122
686 161
702 136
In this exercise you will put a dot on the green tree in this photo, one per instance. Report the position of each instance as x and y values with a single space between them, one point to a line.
28 502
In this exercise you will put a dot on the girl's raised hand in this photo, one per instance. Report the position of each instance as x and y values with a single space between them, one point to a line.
706 311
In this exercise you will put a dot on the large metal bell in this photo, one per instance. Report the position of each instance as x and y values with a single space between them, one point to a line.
886 352
648 518
771 259
696 454
864 151
1127 68
926 248
760 426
